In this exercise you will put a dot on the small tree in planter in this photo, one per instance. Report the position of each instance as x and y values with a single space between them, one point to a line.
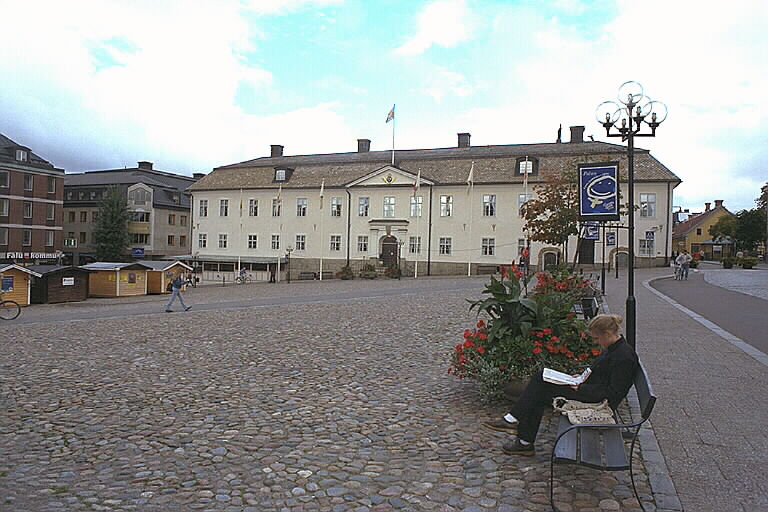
392 272
368 272
748 262
727 262
345 273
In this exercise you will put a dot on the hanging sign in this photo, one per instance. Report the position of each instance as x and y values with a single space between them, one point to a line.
591 232
598 191
610 238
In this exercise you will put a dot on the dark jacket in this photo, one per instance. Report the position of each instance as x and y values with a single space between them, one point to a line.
613 373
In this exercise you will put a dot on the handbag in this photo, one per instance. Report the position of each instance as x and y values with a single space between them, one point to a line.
584 413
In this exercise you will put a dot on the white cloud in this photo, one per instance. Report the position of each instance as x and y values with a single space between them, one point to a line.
442 23
574 7
443 82
282 6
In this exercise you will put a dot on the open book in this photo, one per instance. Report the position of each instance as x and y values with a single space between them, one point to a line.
563 379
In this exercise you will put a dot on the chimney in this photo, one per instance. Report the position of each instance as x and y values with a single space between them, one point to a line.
577 134
363 145
706 206
464 140
197 175
145 165
718 203
277 150
687 210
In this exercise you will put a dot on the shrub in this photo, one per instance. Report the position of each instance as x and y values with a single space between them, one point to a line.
728 262
392 272
748 262
345 273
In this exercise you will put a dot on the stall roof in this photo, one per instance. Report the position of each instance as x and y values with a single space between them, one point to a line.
4 267
101 265
47 269
164 265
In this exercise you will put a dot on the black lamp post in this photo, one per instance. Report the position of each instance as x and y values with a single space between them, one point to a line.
288 251
635 109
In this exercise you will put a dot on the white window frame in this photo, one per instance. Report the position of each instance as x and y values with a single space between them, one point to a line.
223 240
279 174
648 205
389 207
27 206
414 245
335 207
526 167
362 243
488 246
26 237
301 206
520 246
417 204
22 155
253 207
50 211
5 207
646 248
446 245
301 242
521 200
335 244
49 238
31 179
5 179
203 207
277 206
3 236
253 241
51 185
223 207
489 205
363 206
275 242
446 206
202 240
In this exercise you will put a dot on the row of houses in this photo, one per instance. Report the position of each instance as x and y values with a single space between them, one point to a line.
452 210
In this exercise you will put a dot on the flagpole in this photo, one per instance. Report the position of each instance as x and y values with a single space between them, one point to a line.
393 136
322 187
470 190
240 234
418 218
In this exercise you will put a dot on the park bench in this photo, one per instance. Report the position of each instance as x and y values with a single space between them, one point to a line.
590 301
307 276
602 446
487 269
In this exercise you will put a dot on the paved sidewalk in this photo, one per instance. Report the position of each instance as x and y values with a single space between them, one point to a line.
712 409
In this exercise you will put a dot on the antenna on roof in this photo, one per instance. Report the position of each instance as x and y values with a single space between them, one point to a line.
591 138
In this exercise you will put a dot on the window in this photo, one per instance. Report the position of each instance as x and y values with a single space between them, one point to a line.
445 245
70 194
51 185
389 207
3 236
362 206
335 242
301 242
50 211
489 205
253 207
83 216
28 180
183 220
171 240
646 247
335 207
520 246
301 207
489 246
253 241
140 216
171 219
223 207
94 194
94 216
202 240
83 237
414 245
279 174
182 240
647 205
275 242
203 207
521 200
698 231
21 155
362 243
525 167
446 206
27 209
49 238
138 196
222 240
4 207
71 234
416 204
81 195
4 179
276 207
26 237
71 216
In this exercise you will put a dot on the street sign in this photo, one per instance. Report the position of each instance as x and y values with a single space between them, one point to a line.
70 243
598 191
137 252
591 232
650 235
610 239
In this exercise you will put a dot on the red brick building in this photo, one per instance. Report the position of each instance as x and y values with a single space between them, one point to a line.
31 205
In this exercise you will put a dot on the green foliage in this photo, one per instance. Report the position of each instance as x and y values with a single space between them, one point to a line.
368 272
725 226
553 215
111 233
750 228
728 262
345 273
392 272
748 262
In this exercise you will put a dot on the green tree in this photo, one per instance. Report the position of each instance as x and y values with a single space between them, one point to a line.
554 214
750 228
111 234
725 226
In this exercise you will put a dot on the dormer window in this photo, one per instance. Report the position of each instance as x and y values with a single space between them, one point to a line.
527 165
279 174
22 155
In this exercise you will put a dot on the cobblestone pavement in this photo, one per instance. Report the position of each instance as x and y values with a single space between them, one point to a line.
333 406
751 282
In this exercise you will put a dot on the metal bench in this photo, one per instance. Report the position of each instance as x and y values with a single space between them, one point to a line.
307 276
601 446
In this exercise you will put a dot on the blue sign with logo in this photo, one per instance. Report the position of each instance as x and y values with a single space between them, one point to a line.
598 191
137 252
591 232
610 238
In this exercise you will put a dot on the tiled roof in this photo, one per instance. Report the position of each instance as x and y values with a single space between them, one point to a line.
164 184
686 227
493 164
8 154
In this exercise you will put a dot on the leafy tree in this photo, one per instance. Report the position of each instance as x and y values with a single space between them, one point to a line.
725 226
762 201
750 228
111 234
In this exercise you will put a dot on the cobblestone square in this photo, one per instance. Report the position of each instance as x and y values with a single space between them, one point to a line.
337 404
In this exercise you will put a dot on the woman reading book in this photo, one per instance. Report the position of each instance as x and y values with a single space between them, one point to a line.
611 377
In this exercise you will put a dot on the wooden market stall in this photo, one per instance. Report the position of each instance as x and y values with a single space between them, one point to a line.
160 273
116 279
16 283
59 284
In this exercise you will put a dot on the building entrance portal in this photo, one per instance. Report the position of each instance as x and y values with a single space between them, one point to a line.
389 251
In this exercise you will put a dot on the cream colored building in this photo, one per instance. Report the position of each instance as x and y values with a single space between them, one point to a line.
250 214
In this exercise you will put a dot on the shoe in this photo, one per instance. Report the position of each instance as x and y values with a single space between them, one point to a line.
169 311
501 425
517 448
187 308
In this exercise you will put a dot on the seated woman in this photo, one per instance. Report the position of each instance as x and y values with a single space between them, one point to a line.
612 375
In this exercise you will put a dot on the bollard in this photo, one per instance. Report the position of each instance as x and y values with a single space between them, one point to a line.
223 281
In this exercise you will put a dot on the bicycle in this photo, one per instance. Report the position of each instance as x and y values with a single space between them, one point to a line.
9 309
242 280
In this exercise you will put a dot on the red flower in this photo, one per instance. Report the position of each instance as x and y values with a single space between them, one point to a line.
537 350
537 344
539 334
555 339
467 334
504 273
468 344
569 354
480 350
595 352
480 324
547 332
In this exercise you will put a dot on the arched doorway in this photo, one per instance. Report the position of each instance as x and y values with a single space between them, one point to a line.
550 259
621 259
389 251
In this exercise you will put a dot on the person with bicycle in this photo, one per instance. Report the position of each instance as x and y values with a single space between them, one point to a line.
684 261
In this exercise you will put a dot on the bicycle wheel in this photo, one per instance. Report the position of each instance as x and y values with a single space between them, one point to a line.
9 310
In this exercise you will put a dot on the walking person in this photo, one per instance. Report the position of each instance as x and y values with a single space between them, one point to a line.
176 286
684 260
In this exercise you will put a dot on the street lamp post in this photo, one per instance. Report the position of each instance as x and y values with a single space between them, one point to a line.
635 109
288 251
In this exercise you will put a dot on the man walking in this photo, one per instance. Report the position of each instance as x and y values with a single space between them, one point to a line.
176 285
684 260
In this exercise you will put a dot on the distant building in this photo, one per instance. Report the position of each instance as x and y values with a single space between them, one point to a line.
31 193
693 234
160 211
251 213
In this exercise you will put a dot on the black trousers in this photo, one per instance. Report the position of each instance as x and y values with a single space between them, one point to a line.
536 397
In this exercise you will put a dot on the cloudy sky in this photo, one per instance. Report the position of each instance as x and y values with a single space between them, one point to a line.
191 85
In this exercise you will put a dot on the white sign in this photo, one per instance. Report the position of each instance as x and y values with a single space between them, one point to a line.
67 281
